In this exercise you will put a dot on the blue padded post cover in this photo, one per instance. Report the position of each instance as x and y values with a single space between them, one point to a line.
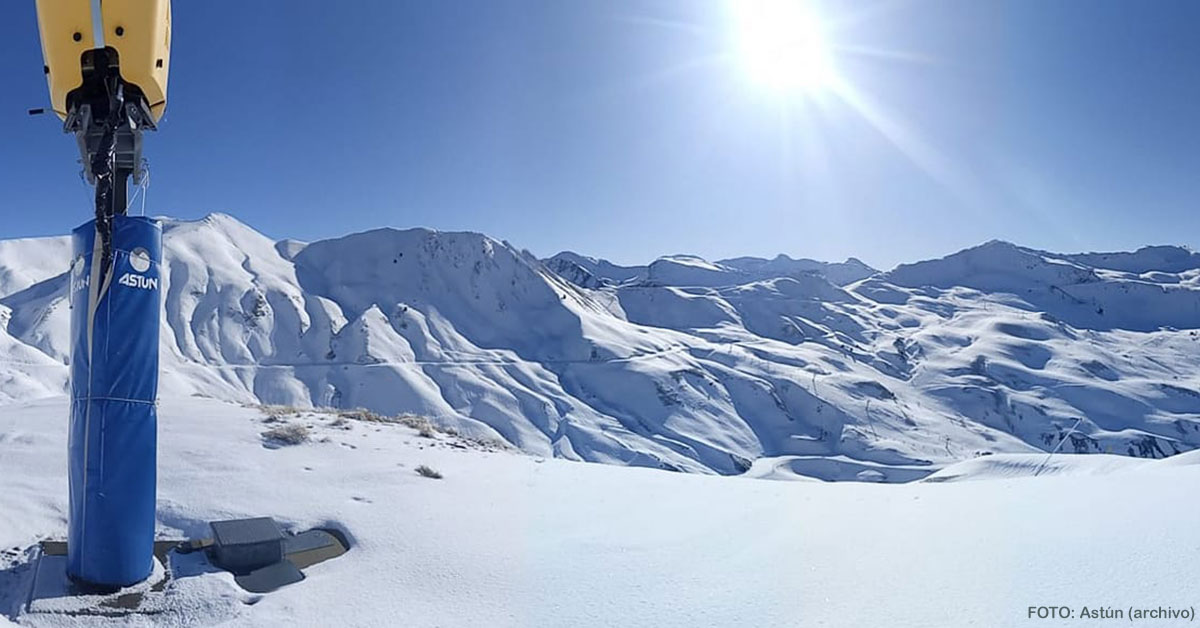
114 383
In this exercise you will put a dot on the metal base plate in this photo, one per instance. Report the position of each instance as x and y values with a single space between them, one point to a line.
300 552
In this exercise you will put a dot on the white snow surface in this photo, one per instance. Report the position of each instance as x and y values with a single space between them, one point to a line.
506 539
950 378
684 364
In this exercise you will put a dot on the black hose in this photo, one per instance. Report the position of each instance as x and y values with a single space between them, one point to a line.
104 166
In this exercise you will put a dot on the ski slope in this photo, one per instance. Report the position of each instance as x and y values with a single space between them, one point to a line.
833 370
507 539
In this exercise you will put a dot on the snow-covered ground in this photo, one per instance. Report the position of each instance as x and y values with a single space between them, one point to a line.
950 379
507 539
832 370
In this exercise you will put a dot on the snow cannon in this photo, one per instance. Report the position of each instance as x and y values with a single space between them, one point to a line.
106 68
106 65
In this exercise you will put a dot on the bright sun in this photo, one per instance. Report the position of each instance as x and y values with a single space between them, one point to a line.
781 46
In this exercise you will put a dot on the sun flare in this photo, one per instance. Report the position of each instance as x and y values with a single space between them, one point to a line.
781 45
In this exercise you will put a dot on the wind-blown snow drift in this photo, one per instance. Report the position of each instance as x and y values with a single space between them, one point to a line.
831 370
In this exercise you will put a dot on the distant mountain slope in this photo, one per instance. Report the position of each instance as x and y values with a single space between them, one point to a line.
838 273
1143 291
598 270
28 261
683 364
1149 259
690 270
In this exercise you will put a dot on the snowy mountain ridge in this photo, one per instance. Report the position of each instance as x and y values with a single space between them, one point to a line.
692 270
833 371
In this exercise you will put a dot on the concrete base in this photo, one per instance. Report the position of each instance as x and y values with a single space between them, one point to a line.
55 593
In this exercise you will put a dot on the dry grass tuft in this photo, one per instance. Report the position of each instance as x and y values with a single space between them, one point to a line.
362 414
289 434
427 472
424 427
278 414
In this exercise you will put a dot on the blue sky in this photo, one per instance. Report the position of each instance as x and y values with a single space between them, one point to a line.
629 129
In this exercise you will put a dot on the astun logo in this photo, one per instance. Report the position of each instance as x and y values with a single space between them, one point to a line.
79 280
138 281
140 260
78 277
